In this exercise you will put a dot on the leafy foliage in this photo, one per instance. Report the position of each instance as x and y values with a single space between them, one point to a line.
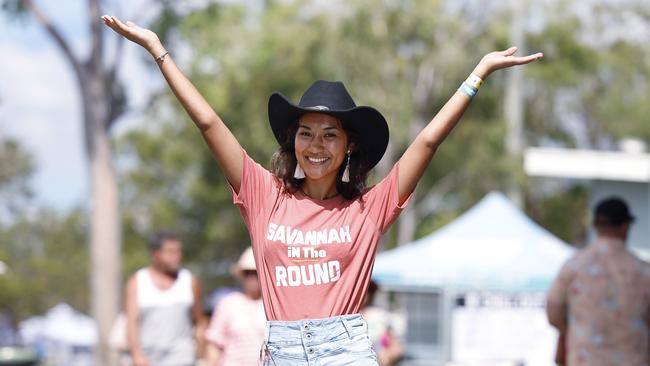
17 166
405 58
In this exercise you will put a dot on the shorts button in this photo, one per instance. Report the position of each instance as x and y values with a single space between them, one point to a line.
310 351
308 335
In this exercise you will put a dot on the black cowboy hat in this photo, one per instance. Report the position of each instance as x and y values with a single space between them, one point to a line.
331 97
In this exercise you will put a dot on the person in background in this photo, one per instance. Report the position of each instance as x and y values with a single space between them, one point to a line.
388 348
165 322
600 300
236 331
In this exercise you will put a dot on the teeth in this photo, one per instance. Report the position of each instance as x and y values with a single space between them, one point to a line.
316 160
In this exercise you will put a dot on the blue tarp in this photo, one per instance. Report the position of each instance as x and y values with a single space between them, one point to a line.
491 247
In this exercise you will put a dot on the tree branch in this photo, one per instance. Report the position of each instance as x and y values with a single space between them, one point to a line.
94 12
119 46
56 36
117 60
118 103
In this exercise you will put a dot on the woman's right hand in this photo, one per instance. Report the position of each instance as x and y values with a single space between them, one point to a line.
131 31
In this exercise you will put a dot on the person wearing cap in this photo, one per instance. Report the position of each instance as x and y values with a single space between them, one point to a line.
237 327
314 225
600 300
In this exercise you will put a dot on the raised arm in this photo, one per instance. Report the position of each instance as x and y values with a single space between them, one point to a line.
418 155
222 143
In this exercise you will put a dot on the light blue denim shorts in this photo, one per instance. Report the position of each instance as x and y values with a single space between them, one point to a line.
340 340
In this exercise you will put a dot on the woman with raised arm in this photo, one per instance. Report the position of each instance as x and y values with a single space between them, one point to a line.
314 224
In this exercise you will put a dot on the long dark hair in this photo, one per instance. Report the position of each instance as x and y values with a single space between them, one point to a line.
283 165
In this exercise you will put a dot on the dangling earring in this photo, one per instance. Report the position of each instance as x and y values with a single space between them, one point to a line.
299 173
346 173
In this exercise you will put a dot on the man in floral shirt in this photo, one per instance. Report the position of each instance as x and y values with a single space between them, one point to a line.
601 297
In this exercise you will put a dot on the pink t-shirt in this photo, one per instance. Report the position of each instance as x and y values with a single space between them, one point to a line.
314 257
237 328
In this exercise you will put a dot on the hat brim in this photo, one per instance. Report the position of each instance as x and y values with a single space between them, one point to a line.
367 122
237 271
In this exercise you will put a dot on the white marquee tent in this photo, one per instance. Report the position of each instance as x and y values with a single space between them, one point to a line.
493 246
64 336
472 292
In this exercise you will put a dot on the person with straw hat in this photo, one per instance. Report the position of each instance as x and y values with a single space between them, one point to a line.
314 225
237 327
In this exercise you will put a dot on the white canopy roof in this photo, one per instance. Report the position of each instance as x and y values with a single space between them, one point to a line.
492 247
587 164
61 324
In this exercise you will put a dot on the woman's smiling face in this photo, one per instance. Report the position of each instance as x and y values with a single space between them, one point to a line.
321 146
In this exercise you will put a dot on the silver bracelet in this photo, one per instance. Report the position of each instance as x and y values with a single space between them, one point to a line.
161 58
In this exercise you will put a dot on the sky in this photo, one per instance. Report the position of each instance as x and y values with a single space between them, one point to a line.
39 100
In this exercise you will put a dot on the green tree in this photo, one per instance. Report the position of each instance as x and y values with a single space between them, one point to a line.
403 59
46 254
589 92
102 102
16 166
44 251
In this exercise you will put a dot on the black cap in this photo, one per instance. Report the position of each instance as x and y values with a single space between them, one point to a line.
612 211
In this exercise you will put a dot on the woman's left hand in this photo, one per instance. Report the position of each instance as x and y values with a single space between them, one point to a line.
502 59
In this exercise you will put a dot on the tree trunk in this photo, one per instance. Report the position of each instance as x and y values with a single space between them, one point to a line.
101 107
514 102
407 225
105 243
422 94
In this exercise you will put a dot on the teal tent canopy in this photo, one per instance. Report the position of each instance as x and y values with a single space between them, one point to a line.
491 247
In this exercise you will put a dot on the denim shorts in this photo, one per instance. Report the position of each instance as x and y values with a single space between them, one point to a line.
340 340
